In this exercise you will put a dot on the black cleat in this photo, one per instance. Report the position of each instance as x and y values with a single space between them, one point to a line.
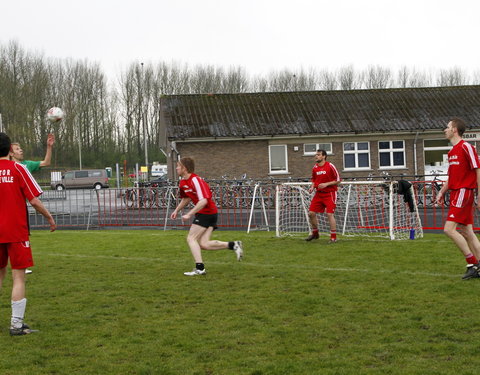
472 272
313 236
23 330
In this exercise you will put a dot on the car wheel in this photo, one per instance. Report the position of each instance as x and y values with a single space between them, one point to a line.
59 187
97 186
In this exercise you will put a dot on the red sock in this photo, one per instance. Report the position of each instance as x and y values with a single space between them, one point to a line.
314 231
333 235
470 258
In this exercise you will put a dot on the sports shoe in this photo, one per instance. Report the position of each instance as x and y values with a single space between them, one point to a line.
196 272
332 241
238 247
27 271
23 330
472 272
312 236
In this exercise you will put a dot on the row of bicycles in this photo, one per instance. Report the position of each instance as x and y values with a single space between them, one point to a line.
239 193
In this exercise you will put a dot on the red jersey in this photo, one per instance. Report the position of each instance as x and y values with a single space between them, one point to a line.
196 189
462 160
16 186
325 173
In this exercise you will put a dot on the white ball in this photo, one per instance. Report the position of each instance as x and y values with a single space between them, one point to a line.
55 114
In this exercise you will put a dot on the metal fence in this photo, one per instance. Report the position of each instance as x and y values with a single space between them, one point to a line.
147 206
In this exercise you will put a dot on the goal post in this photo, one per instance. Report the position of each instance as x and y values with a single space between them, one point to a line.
364 208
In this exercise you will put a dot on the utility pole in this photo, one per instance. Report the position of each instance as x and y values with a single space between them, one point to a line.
144 122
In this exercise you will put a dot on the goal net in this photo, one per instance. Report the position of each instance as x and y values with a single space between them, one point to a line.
364 208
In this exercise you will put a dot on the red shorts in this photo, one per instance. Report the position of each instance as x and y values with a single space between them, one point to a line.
324 202
461 206
20 254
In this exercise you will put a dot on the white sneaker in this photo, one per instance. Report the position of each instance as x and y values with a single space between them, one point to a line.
196 272
238 247
27 271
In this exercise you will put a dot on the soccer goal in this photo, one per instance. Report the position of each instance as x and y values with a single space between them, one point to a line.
364 208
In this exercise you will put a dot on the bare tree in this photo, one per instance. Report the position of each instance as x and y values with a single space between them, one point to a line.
452 77
377 77
327 80
348 79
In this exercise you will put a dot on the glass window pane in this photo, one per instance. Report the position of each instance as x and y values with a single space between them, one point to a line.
436 143
325 146
349 161
362 145
397 144
309 147
383 145
363 160
385 159
277 158
349 146
398 158
81 174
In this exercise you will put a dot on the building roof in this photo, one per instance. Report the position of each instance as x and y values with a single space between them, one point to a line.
318 112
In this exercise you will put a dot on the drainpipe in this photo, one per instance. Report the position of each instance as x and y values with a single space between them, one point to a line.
415 154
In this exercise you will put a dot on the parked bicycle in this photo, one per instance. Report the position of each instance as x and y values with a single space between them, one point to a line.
426 191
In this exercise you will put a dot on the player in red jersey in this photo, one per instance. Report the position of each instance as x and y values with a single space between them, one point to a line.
463 179
325 181
194 189
16 186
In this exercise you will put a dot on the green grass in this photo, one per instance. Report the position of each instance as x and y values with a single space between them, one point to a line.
116 302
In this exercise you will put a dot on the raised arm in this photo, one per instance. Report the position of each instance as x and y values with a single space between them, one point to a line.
48 155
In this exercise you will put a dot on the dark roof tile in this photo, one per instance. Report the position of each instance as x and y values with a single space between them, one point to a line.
318 112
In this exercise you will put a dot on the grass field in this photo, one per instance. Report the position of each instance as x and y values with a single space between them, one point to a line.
116 302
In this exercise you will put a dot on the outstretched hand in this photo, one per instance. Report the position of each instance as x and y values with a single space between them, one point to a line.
50 140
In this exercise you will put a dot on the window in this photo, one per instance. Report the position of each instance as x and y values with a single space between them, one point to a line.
311 148
278 158
436 151
81 174
391 154
356 155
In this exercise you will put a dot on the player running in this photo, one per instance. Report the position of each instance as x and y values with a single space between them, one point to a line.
16 186
325 181
463 178
194 189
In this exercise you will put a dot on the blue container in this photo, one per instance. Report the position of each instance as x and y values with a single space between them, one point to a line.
412 234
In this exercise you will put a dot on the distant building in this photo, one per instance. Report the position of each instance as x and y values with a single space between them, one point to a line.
399 131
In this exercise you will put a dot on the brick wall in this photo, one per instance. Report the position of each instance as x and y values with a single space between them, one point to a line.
234 158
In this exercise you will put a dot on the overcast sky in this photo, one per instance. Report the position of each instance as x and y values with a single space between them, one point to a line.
259 35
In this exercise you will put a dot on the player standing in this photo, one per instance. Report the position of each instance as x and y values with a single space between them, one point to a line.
16 154
463 178
194 189
325 181
16 186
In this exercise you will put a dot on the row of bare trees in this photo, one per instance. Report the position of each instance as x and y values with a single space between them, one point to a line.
108 122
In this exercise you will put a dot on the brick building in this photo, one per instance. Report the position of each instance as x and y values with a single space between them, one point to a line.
399 131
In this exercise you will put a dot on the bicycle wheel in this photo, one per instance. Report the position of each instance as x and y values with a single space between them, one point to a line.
130 198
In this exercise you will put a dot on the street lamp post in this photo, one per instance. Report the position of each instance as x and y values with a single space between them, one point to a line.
144 122
79 148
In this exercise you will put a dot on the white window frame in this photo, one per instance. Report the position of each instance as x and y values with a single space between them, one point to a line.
283 171
318 146
426 149
356 152
391 150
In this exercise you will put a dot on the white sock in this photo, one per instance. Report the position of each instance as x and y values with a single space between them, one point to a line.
18 312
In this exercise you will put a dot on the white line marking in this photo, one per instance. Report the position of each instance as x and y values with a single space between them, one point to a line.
262 265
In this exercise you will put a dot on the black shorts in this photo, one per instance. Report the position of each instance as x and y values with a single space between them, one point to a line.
206 220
